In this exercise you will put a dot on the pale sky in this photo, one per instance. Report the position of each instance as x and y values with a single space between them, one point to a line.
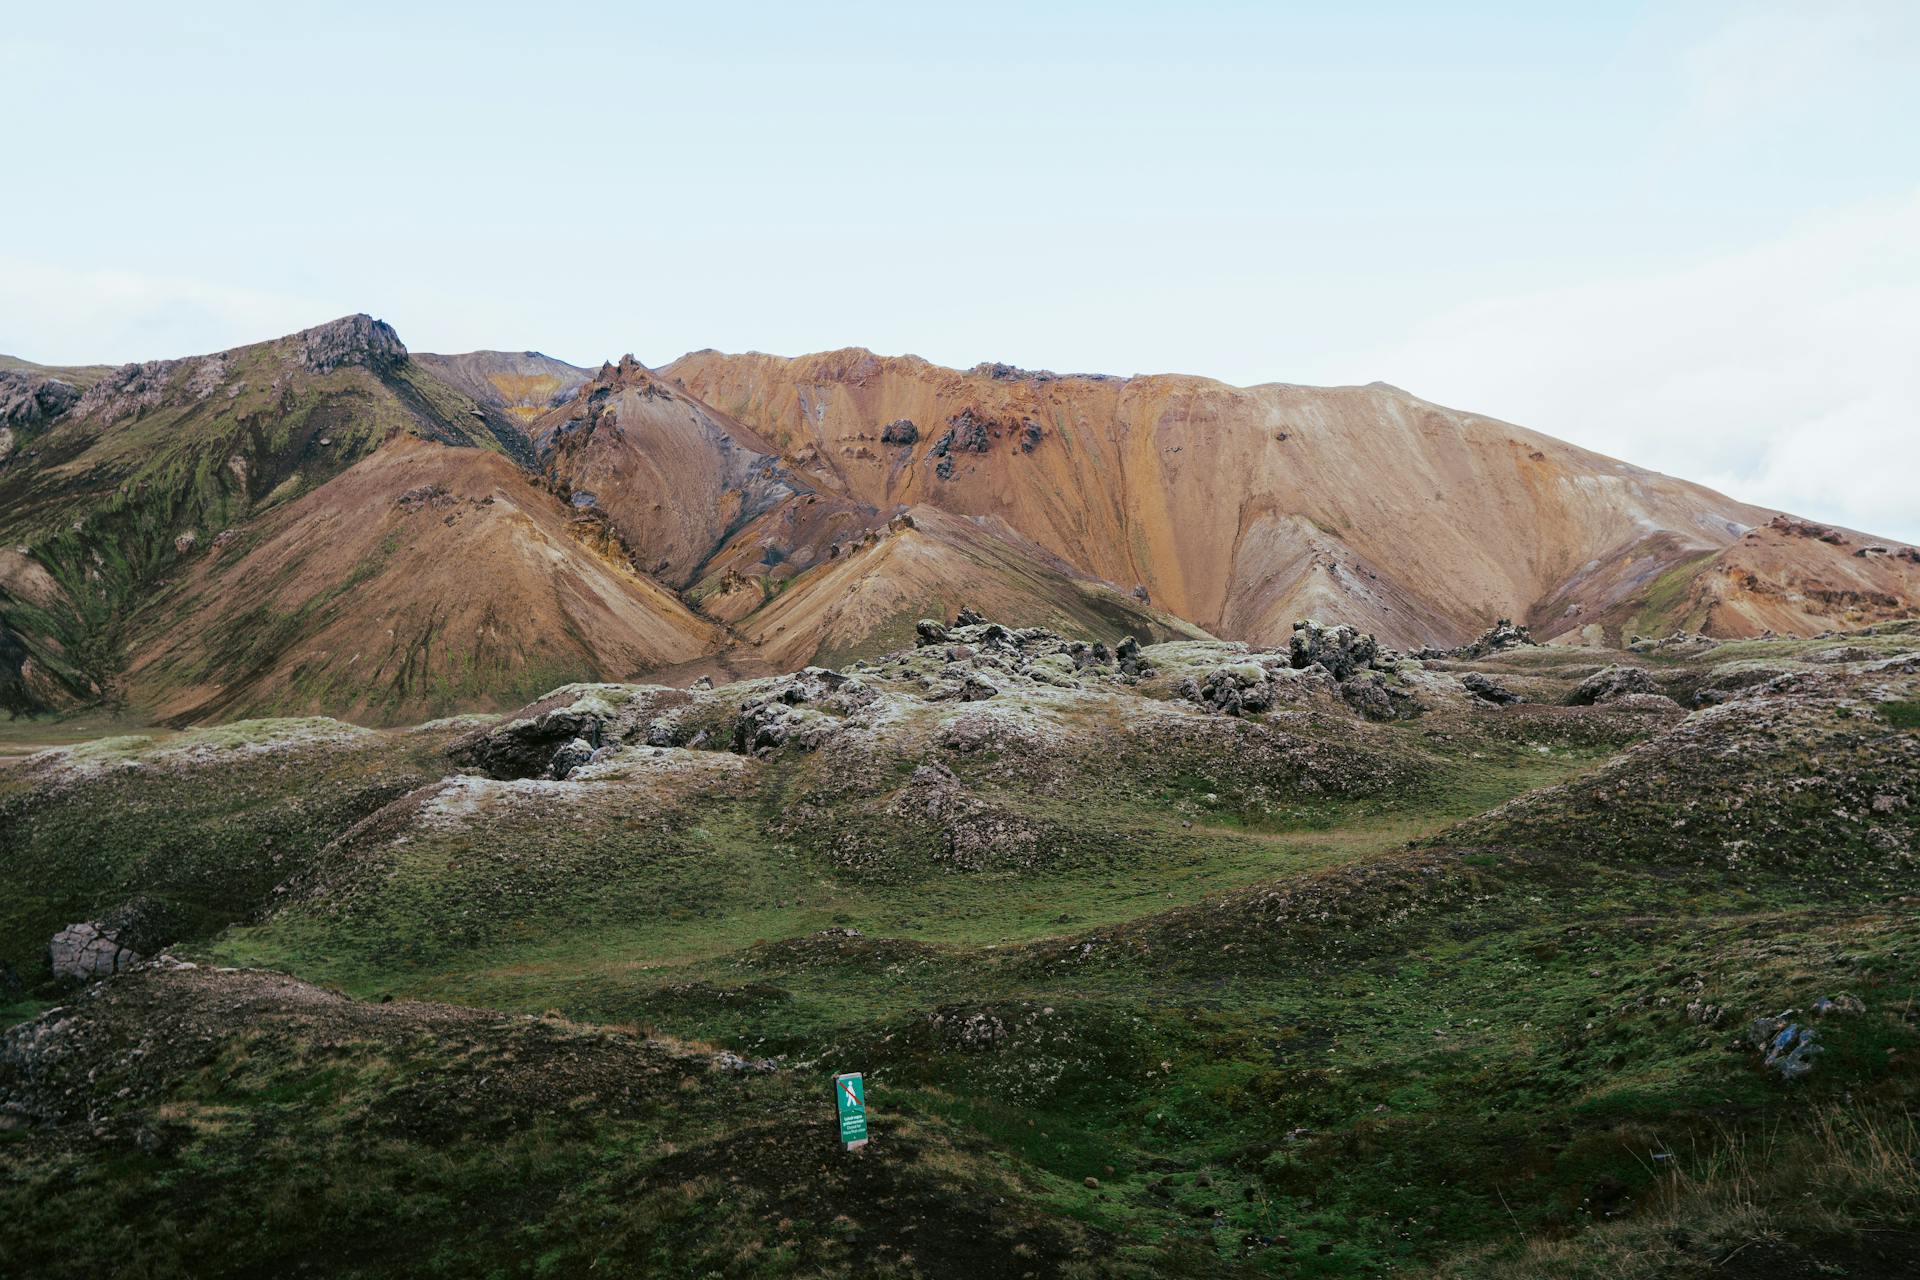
1686 234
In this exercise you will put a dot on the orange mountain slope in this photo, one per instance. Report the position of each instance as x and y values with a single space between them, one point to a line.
1240 508
1787 577
672 478
931 563
325 522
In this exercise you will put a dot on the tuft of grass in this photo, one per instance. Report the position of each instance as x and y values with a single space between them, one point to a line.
1826 1192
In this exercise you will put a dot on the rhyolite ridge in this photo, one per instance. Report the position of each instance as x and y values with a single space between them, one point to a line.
188 540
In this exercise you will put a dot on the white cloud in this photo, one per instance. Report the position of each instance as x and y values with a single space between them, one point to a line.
59 315
1785 374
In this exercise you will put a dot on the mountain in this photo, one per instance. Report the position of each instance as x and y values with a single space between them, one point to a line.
327 522
510 388
1244 508
319 521
1785 577
672 478
521 384
772 546
423 580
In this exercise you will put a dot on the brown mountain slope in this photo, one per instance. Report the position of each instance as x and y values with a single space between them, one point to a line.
509 390
326 522
230 534
1238 508
524 384
1788 577
673 479
106 496
424 580
930 563
701 500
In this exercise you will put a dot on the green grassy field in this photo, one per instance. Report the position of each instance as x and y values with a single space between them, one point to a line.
1467 994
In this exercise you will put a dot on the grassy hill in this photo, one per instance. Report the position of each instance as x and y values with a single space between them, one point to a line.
1375 975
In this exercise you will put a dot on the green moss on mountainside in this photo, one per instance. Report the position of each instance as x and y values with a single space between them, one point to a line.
119 493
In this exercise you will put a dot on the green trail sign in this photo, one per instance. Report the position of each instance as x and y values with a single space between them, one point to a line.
850 1099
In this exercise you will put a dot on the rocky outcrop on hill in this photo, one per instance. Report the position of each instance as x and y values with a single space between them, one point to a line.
1337 661
973 644
1807 529
572 754
1503 635
131 389
966 433
539 742
83 952
351 340
1610 684
1338 650
1240 688
1487 689
30 400
801 710
1679 641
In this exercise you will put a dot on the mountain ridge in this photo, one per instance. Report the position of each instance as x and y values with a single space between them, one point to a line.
793 509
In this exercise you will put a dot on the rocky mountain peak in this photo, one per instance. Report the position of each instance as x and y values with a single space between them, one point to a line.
628 373
351 340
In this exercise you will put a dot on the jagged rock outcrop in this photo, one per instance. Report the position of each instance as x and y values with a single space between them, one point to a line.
968 688
86 951
900 431
1504 634
1787 1048
351 340
576 724
967 432
1376 697
1338 660
1686 641
1731 680
1609 684
572 754
802 710
1487 689
32 400
1243 688
129 390
1807 529
526 748
1338 650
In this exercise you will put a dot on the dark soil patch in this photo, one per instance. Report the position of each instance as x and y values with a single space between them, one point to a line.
898 1201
